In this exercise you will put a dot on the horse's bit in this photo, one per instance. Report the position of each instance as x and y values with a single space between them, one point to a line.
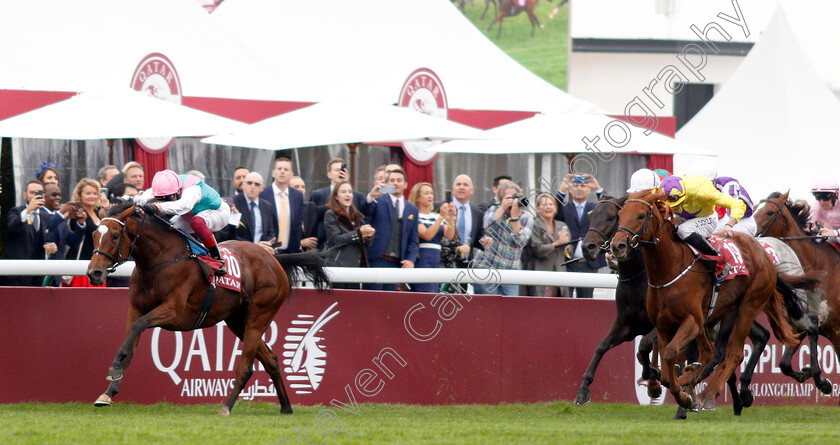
635 239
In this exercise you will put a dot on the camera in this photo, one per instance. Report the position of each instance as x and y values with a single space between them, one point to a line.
523 200
344 166
448 197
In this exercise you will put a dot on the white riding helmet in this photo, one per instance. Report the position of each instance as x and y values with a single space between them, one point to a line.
704 168
643 179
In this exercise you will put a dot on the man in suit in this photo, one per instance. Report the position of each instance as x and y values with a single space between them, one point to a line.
314 235
258 222
575 213
27 233
239 174
395 242
287 204
469 221
337 174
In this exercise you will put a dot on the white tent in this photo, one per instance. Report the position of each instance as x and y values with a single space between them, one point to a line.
773 123
366 51
563 133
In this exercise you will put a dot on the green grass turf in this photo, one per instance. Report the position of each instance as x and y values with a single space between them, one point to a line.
544 54
551 423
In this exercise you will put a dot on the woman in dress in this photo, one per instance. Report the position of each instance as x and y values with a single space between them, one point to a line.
347 234
432 229
545 245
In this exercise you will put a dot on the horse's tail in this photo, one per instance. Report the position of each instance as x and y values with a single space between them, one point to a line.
778 323
307 264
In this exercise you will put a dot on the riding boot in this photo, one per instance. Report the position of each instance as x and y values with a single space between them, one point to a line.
703 246
214 253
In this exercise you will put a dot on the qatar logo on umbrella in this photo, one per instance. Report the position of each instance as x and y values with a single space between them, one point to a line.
157 77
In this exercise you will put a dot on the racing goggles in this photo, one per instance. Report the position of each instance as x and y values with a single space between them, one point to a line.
824 196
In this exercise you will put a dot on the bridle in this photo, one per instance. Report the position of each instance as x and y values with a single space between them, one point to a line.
775 217
119 261
605 246
635 238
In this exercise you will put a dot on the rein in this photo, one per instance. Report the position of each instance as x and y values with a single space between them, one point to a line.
605 246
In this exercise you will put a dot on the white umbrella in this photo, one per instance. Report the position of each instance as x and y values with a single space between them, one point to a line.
564 133
327 123
114 115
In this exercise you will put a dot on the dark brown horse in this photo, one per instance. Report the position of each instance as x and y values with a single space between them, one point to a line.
510 8
167 290
679 297
777 218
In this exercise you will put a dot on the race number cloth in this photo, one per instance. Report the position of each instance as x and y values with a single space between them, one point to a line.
771 252
730 262
233 279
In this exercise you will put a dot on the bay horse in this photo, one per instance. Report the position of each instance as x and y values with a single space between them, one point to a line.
679 304
167 289
632 318
511 8
779 219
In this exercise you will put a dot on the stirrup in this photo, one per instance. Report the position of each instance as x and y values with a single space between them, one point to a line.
220 272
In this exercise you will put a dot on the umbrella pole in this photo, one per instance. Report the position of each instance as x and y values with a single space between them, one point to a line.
110 151
352 148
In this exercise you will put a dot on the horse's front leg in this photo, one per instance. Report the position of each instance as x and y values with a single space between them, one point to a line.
687 331
155 317
618 334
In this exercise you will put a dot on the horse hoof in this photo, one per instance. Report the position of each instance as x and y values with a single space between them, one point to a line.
654 391
286 410
746 396
681 414
224 411
114 375
690 404
583 398
102 400
708 405
824 386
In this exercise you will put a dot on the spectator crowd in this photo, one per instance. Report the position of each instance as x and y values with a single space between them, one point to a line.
387 227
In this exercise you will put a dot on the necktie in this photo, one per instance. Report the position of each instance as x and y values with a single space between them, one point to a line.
283 223
397 207
579 211
253 208
35 221
461 225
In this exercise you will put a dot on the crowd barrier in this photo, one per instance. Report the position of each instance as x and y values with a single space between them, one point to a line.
345 347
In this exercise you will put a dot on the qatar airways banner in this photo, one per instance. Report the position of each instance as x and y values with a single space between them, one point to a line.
347 347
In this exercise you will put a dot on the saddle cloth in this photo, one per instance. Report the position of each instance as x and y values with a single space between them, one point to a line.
232 280
771 252
730 262
835 245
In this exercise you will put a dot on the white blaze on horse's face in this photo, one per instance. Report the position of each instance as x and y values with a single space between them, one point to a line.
103 230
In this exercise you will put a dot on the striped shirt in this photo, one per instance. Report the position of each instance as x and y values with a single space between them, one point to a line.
505 251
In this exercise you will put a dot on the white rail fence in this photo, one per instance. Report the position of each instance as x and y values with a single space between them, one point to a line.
360 274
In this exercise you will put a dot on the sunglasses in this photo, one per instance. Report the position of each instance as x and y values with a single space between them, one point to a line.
674 198
253 183
824 196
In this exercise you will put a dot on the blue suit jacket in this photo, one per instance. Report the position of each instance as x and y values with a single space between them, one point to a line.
379 215
295 214
578 229
247 225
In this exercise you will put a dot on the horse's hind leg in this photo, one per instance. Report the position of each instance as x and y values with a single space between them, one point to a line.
618 334
734 355
269 360
824 385
250 344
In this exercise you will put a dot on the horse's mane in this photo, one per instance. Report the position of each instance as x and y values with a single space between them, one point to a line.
120 207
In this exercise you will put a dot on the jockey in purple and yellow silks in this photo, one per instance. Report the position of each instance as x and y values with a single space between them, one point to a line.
694 199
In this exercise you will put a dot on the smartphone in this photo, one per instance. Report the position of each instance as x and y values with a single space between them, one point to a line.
104 192
448 196
344 166
39 193
387 189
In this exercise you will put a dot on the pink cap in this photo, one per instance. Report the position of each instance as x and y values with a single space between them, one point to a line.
165 183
